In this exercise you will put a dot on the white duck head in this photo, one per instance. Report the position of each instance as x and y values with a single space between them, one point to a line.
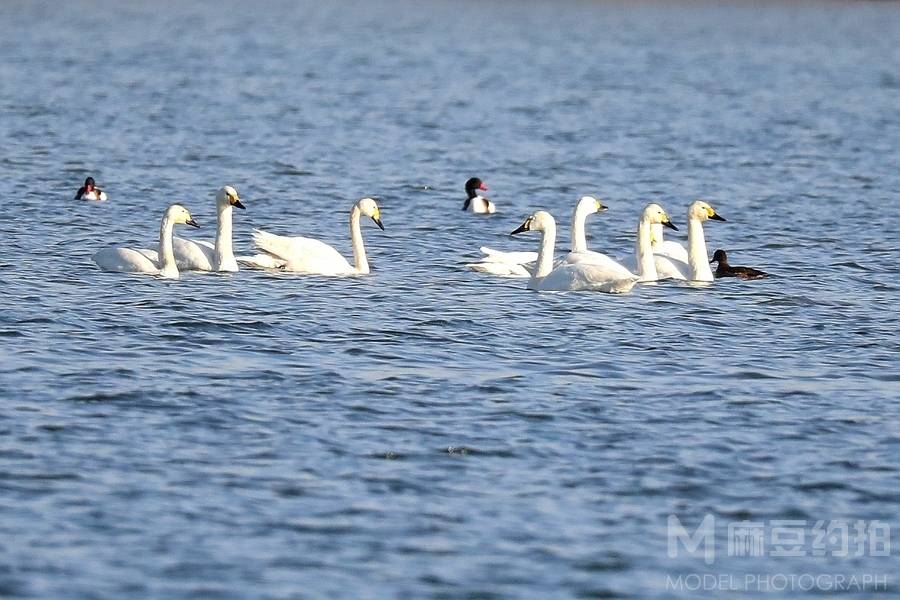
701 211
539 221
228 196
178 214
369 207
656 214
588 205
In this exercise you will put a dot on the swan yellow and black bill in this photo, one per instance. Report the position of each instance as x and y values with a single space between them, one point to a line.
378 222
669 224
192 223
526 226
716 216
233 200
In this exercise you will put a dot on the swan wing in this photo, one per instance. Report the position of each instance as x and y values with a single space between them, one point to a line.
152 255
193 255
261 261
126 260
600 260
302 254
512 258
672 250
501 269
671 268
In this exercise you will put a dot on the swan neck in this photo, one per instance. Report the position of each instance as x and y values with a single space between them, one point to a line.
697 259
224 253
359 251
167 266
644 252
579 240
545 254
657 238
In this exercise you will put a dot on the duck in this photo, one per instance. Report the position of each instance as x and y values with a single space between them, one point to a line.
149 262
697 267
476 203
201 255
725 270
313 257
520 264
90 191
569 276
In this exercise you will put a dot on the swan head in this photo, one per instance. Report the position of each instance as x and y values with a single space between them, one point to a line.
702 211
588 205
720 257
539 221
369 207
179 214
228 196
656 215
473 184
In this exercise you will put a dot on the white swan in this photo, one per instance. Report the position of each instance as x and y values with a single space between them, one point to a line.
568 276
697 266
475 202
310 256
90 191
127 260
519 264
200 255
667 247
643 262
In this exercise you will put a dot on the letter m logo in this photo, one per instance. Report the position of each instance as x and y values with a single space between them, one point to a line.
704 535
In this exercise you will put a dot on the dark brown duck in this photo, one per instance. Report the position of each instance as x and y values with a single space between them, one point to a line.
726 270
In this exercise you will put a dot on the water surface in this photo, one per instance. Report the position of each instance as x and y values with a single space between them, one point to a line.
427 431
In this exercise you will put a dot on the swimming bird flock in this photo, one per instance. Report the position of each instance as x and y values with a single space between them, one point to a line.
654 259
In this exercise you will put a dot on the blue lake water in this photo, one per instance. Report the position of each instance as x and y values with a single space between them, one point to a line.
428 432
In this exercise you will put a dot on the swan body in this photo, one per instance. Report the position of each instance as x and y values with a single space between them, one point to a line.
665 269
475 202
201 255
150 262
311 256
90 191
666 247
519 264
696 268
568 276
669 248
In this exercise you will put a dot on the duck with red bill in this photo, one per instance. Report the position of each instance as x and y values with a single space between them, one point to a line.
475 202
